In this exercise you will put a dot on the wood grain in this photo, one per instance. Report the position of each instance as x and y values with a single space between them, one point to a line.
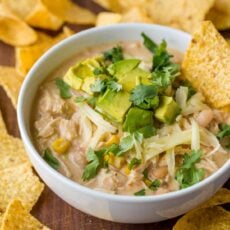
50 209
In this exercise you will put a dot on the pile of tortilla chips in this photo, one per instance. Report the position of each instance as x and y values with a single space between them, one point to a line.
205 65
20 188
182 14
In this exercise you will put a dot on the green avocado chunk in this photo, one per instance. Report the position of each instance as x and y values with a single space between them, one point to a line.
76 74
133 78
168 110
114 105
118 69
137 118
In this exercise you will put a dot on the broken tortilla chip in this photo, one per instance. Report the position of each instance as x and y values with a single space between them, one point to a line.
19 182
212 218
182 14
206 65
11 81
27 56
17 217
220 19
14 31
70 12
222 5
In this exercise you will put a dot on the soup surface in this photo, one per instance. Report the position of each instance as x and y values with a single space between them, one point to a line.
120 118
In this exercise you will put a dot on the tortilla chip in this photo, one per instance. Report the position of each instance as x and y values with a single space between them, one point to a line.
136 14
212 218
182 14
220 19
221 197
107 18
19 183
133 15
113 5
70 12
14 31
35 13
12 152
21 8
16 217
41 17
27 56
206 65
121 6
11 81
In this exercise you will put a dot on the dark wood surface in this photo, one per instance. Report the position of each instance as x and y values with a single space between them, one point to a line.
50 209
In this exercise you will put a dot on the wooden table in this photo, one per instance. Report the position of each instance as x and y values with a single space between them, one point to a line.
50 209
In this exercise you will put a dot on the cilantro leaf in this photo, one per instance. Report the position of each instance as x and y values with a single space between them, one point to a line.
155 185
114 86
140 193
188 174
64 88
149 43
50 159
224 131
134 163
95 161
114 55
99 86
164 78
145 96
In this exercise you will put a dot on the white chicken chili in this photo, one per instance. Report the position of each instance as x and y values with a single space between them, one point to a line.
120 118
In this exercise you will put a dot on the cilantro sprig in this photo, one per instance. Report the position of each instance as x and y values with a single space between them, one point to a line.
50 159
114 55
145 96
101 85
164 71
95 162
188 174
64 88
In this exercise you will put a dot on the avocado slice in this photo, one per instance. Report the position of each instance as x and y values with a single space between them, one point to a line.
122 67
168 110
137 118
75 75
114 105
134 78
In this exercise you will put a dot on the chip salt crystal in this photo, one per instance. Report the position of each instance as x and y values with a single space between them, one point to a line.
206 65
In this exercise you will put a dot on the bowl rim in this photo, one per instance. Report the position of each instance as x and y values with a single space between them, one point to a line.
31 150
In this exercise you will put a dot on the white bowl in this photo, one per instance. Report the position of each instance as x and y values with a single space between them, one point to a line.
118 208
